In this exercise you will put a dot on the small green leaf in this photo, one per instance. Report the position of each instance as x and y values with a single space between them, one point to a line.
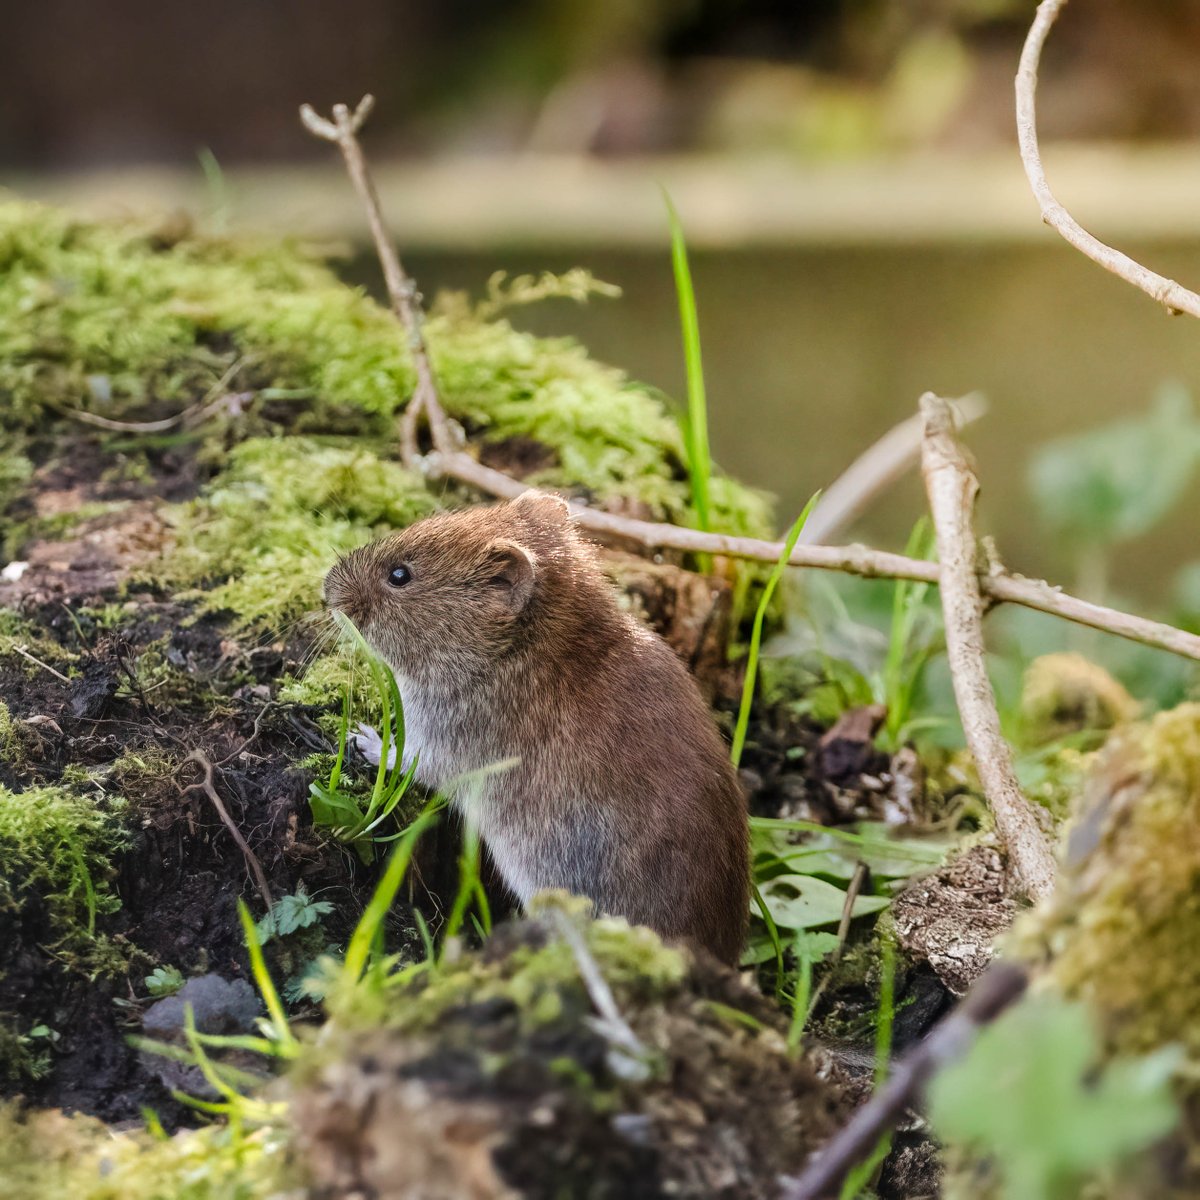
164 981
1116 482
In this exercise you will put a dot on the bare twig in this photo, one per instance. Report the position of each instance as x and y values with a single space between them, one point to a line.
852 891
37 662
258 720
852 560
447 461
206 785
952 487
997 988
406 300
215 398
1167 292
873 471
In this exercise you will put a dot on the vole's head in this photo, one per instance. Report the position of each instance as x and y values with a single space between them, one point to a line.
452 594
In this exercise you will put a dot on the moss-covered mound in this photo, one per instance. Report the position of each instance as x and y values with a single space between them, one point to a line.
1126 934
1123 934
488 1075
248 381
493 1076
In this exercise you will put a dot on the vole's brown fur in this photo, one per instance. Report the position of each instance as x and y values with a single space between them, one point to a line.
508 642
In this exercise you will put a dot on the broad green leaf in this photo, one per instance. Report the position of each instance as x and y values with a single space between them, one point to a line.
836 853
802 902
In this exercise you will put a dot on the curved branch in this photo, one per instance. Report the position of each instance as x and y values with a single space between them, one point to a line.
1175 297
875 469
1000 986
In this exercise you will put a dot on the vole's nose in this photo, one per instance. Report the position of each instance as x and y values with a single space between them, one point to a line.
342 592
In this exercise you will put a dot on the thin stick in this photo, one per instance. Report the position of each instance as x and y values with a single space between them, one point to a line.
206 785
447 461
873 471
997 988
856 885
37 662
1166 291
213 399
952 488
406 300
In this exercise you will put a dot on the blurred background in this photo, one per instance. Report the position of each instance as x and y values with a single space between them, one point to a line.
845 170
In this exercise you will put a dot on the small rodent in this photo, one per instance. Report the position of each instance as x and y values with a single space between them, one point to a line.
507 641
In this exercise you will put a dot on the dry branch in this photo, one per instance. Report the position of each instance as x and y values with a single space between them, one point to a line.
952 488
1166 291
406 300
447 460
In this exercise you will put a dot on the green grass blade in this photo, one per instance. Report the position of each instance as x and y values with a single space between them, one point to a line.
468 877
696 430
426 936
371 922
288 1045
772 933
743 718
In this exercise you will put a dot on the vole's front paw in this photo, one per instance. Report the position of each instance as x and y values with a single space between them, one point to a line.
369 744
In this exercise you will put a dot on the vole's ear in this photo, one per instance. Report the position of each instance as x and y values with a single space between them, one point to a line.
545 506
512 570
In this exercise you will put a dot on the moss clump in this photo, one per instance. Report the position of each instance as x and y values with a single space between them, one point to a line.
493 1069
1124 933
114 319
47 1155
10 737
1064 694
24 1057
61 846
265 532
16 632
531 977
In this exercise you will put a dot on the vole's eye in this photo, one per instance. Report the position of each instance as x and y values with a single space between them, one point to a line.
398 576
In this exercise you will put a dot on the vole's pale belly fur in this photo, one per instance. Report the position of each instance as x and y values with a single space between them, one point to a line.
533 847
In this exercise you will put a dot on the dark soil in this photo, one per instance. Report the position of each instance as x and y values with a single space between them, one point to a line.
181 877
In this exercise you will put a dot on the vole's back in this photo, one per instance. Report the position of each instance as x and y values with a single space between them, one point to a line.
625 794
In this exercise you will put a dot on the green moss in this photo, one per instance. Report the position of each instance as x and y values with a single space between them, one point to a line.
534 977
265 532
61 845
47 1155
24 1057
10 738
1125 931
1065 694
17 634
107 318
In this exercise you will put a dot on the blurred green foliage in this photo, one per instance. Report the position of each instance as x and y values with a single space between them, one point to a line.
1031 1096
